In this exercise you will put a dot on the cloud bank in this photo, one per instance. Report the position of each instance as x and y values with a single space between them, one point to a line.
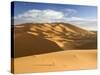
49 15
42 16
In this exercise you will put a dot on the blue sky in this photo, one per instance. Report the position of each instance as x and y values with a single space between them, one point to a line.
81 15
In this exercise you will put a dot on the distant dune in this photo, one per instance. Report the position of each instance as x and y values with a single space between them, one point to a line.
37 38
56 61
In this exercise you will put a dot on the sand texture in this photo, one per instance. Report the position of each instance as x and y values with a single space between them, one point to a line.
57 61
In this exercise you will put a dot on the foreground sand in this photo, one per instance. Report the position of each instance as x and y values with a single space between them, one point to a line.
57 61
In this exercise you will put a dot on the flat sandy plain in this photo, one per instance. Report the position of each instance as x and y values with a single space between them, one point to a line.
57 61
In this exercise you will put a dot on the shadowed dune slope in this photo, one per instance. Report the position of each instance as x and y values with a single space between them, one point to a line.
27 44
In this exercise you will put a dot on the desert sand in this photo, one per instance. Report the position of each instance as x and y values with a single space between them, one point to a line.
43 47
56 61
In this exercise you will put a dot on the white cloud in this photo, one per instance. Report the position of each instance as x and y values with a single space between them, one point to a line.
48 15
39 16
70 12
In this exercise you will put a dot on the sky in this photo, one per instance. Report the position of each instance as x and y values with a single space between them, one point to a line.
80 15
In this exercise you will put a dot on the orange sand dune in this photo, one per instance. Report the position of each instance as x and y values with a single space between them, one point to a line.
57 61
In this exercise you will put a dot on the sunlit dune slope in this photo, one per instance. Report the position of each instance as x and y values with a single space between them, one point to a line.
61 33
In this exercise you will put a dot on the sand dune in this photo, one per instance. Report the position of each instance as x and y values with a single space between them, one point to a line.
26 45
40 47
57 61
37 38
59 33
